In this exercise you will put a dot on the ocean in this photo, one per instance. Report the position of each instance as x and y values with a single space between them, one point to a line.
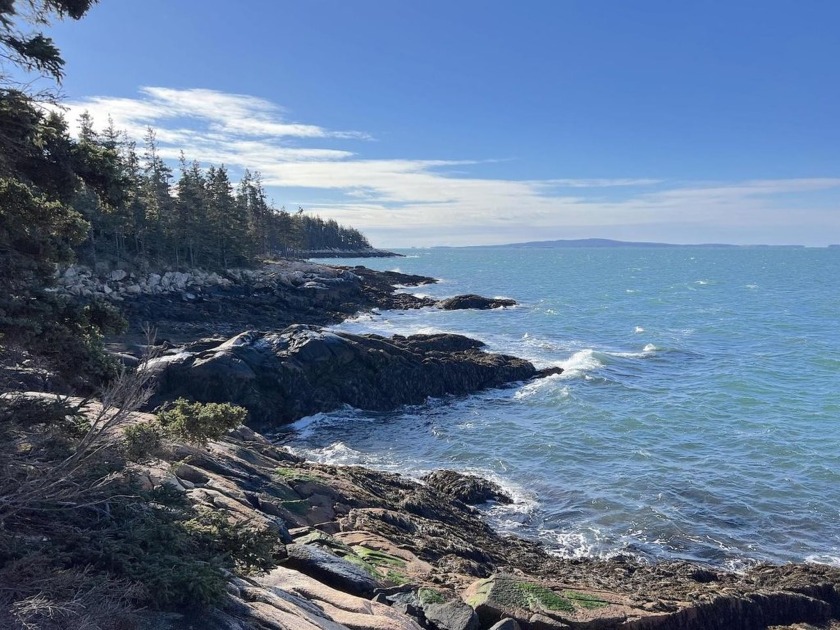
698 417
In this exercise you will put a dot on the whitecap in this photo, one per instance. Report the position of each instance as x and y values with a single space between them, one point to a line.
338 453
529 390
646 352
306 426
580 362
638 329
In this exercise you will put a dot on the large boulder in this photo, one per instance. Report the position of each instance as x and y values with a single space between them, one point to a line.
536 605
467 489
331 570
460 302
283 376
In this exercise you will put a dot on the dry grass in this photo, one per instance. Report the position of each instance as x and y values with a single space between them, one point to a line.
59 464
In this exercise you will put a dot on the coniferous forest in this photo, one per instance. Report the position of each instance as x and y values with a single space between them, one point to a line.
137 207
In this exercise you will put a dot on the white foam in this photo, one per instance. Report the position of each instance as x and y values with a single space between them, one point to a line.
580 362
638 329
823 558
529 390
739 565
540 343
338 453
578 544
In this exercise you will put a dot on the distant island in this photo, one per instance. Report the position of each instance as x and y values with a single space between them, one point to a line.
605 242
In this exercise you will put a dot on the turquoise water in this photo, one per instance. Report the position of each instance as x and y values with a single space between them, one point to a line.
697 418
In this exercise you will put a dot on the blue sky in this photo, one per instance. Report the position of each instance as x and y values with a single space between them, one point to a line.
452 123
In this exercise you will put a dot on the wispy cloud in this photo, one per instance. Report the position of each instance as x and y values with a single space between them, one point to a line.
404 201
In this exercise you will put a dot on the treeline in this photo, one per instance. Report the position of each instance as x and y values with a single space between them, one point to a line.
199 218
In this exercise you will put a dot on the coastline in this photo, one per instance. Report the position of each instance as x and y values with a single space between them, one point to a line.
393 513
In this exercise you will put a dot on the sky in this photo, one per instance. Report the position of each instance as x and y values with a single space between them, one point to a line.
463 123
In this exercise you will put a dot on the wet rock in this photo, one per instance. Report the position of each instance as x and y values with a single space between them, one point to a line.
467 489
472 301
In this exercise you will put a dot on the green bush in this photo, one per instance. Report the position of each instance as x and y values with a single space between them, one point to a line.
142 440
247 547
200 422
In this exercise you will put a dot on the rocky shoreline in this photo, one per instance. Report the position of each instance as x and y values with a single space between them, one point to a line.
367 549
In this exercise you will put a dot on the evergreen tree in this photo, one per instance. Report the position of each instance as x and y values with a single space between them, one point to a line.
228 219
190 221
155 199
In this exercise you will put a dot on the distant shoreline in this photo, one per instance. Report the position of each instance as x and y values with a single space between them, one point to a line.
608 243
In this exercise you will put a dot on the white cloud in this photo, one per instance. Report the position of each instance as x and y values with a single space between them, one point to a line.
402 202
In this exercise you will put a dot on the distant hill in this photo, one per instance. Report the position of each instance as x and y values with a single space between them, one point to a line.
605 242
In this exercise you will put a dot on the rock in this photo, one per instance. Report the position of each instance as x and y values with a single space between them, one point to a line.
506 624
127 360
154 279
107 290
452 615
117 275
133 289
471 300
283 376
191 474
331 570
544 622
318 606
468 489
541 605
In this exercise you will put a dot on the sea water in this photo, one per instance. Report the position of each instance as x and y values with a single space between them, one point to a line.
698 416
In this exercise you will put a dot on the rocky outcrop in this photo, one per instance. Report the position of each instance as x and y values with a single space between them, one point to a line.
280 377
472 301
182 306
468 489
429 561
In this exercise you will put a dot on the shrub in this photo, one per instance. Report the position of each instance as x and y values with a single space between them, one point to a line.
200 422
141 441
247 547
